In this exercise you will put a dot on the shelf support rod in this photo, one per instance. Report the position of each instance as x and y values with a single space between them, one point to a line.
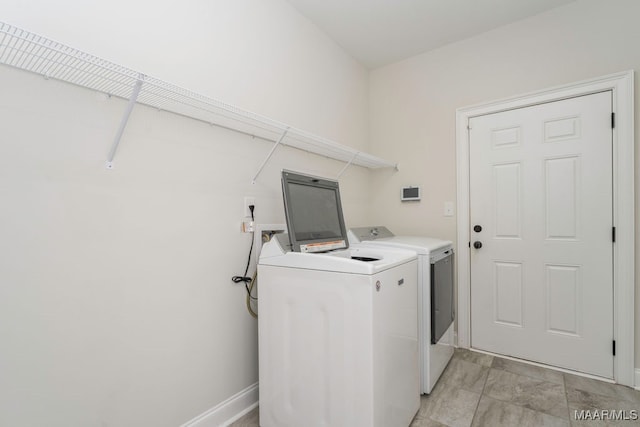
273 149
125 119
353 159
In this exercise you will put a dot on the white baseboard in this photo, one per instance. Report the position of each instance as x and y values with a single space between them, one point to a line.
228 411
638 379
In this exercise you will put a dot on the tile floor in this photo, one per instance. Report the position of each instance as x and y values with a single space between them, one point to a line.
481 390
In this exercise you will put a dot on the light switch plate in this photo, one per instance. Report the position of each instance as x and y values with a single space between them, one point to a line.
448 208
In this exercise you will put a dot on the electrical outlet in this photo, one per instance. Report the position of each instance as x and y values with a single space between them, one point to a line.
248 201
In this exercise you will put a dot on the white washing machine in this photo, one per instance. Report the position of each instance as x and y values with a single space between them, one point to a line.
436 309
338 336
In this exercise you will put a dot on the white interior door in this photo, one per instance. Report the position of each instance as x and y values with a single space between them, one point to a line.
541 191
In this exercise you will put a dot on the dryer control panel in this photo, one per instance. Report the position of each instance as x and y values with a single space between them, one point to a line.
363 234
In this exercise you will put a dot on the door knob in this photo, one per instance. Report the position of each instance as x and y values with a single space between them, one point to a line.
477 228
477 245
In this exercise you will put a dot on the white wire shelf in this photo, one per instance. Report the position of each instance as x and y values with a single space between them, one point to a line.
31 52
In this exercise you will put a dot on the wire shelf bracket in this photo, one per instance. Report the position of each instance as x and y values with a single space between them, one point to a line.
266 160
125 119
355 156
53 60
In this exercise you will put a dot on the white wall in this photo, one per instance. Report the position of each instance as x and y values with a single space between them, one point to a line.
116 305
262 56
413 102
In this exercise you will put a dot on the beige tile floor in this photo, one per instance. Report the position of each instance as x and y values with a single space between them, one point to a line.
482 390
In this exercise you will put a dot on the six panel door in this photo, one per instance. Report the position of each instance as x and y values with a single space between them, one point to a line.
541 192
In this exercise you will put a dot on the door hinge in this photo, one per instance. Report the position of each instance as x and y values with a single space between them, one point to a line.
613 120
614 347
613 234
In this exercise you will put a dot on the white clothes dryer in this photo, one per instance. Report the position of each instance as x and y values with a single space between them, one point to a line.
338 336
436 309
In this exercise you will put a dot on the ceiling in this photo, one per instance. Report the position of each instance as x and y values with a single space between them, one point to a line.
379 32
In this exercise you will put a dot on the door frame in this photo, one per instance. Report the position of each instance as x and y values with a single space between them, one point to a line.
621 85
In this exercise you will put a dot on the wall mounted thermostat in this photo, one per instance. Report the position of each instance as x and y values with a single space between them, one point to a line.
410 194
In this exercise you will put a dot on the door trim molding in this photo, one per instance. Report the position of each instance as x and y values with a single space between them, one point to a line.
621 85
